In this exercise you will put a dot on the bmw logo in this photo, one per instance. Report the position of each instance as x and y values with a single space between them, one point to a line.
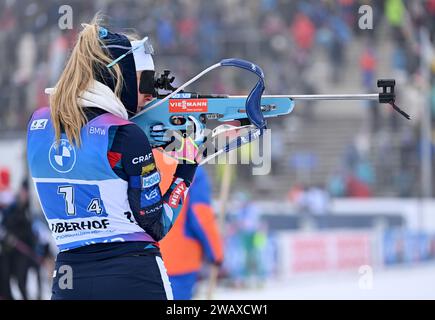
62 156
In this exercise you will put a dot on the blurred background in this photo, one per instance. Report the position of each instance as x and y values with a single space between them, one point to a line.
347 210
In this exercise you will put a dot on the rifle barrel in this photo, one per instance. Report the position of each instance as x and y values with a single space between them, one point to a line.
371 96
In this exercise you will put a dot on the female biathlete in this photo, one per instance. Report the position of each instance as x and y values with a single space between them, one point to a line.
95 174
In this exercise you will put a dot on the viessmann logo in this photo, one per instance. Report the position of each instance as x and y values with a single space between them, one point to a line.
188 105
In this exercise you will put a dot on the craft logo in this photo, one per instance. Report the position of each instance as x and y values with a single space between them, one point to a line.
190 105
142 159
62 156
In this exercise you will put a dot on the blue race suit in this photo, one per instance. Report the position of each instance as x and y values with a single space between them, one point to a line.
101 204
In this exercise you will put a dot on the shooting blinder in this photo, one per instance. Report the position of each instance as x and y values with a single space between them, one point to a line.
147 83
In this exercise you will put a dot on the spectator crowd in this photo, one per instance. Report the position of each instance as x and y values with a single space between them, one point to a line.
282 36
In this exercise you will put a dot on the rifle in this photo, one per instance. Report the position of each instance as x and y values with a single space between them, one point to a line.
170 112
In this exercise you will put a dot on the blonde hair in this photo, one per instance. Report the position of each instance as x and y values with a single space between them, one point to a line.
87 58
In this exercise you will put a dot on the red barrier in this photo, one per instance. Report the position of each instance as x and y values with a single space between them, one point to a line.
321 252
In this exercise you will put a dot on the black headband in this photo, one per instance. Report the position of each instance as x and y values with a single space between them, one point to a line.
116 45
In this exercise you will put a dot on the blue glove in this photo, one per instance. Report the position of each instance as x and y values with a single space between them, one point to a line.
194 130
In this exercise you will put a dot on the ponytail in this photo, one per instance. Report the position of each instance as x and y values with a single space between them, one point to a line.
87 58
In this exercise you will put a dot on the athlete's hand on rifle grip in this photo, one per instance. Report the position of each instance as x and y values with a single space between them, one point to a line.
185 147
160 135
194 129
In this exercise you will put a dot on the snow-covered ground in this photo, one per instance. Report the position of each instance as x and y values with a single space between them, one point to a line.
405 282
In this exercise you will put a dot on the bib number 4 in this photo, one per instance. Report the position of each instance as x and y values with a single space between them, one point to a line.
95 206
